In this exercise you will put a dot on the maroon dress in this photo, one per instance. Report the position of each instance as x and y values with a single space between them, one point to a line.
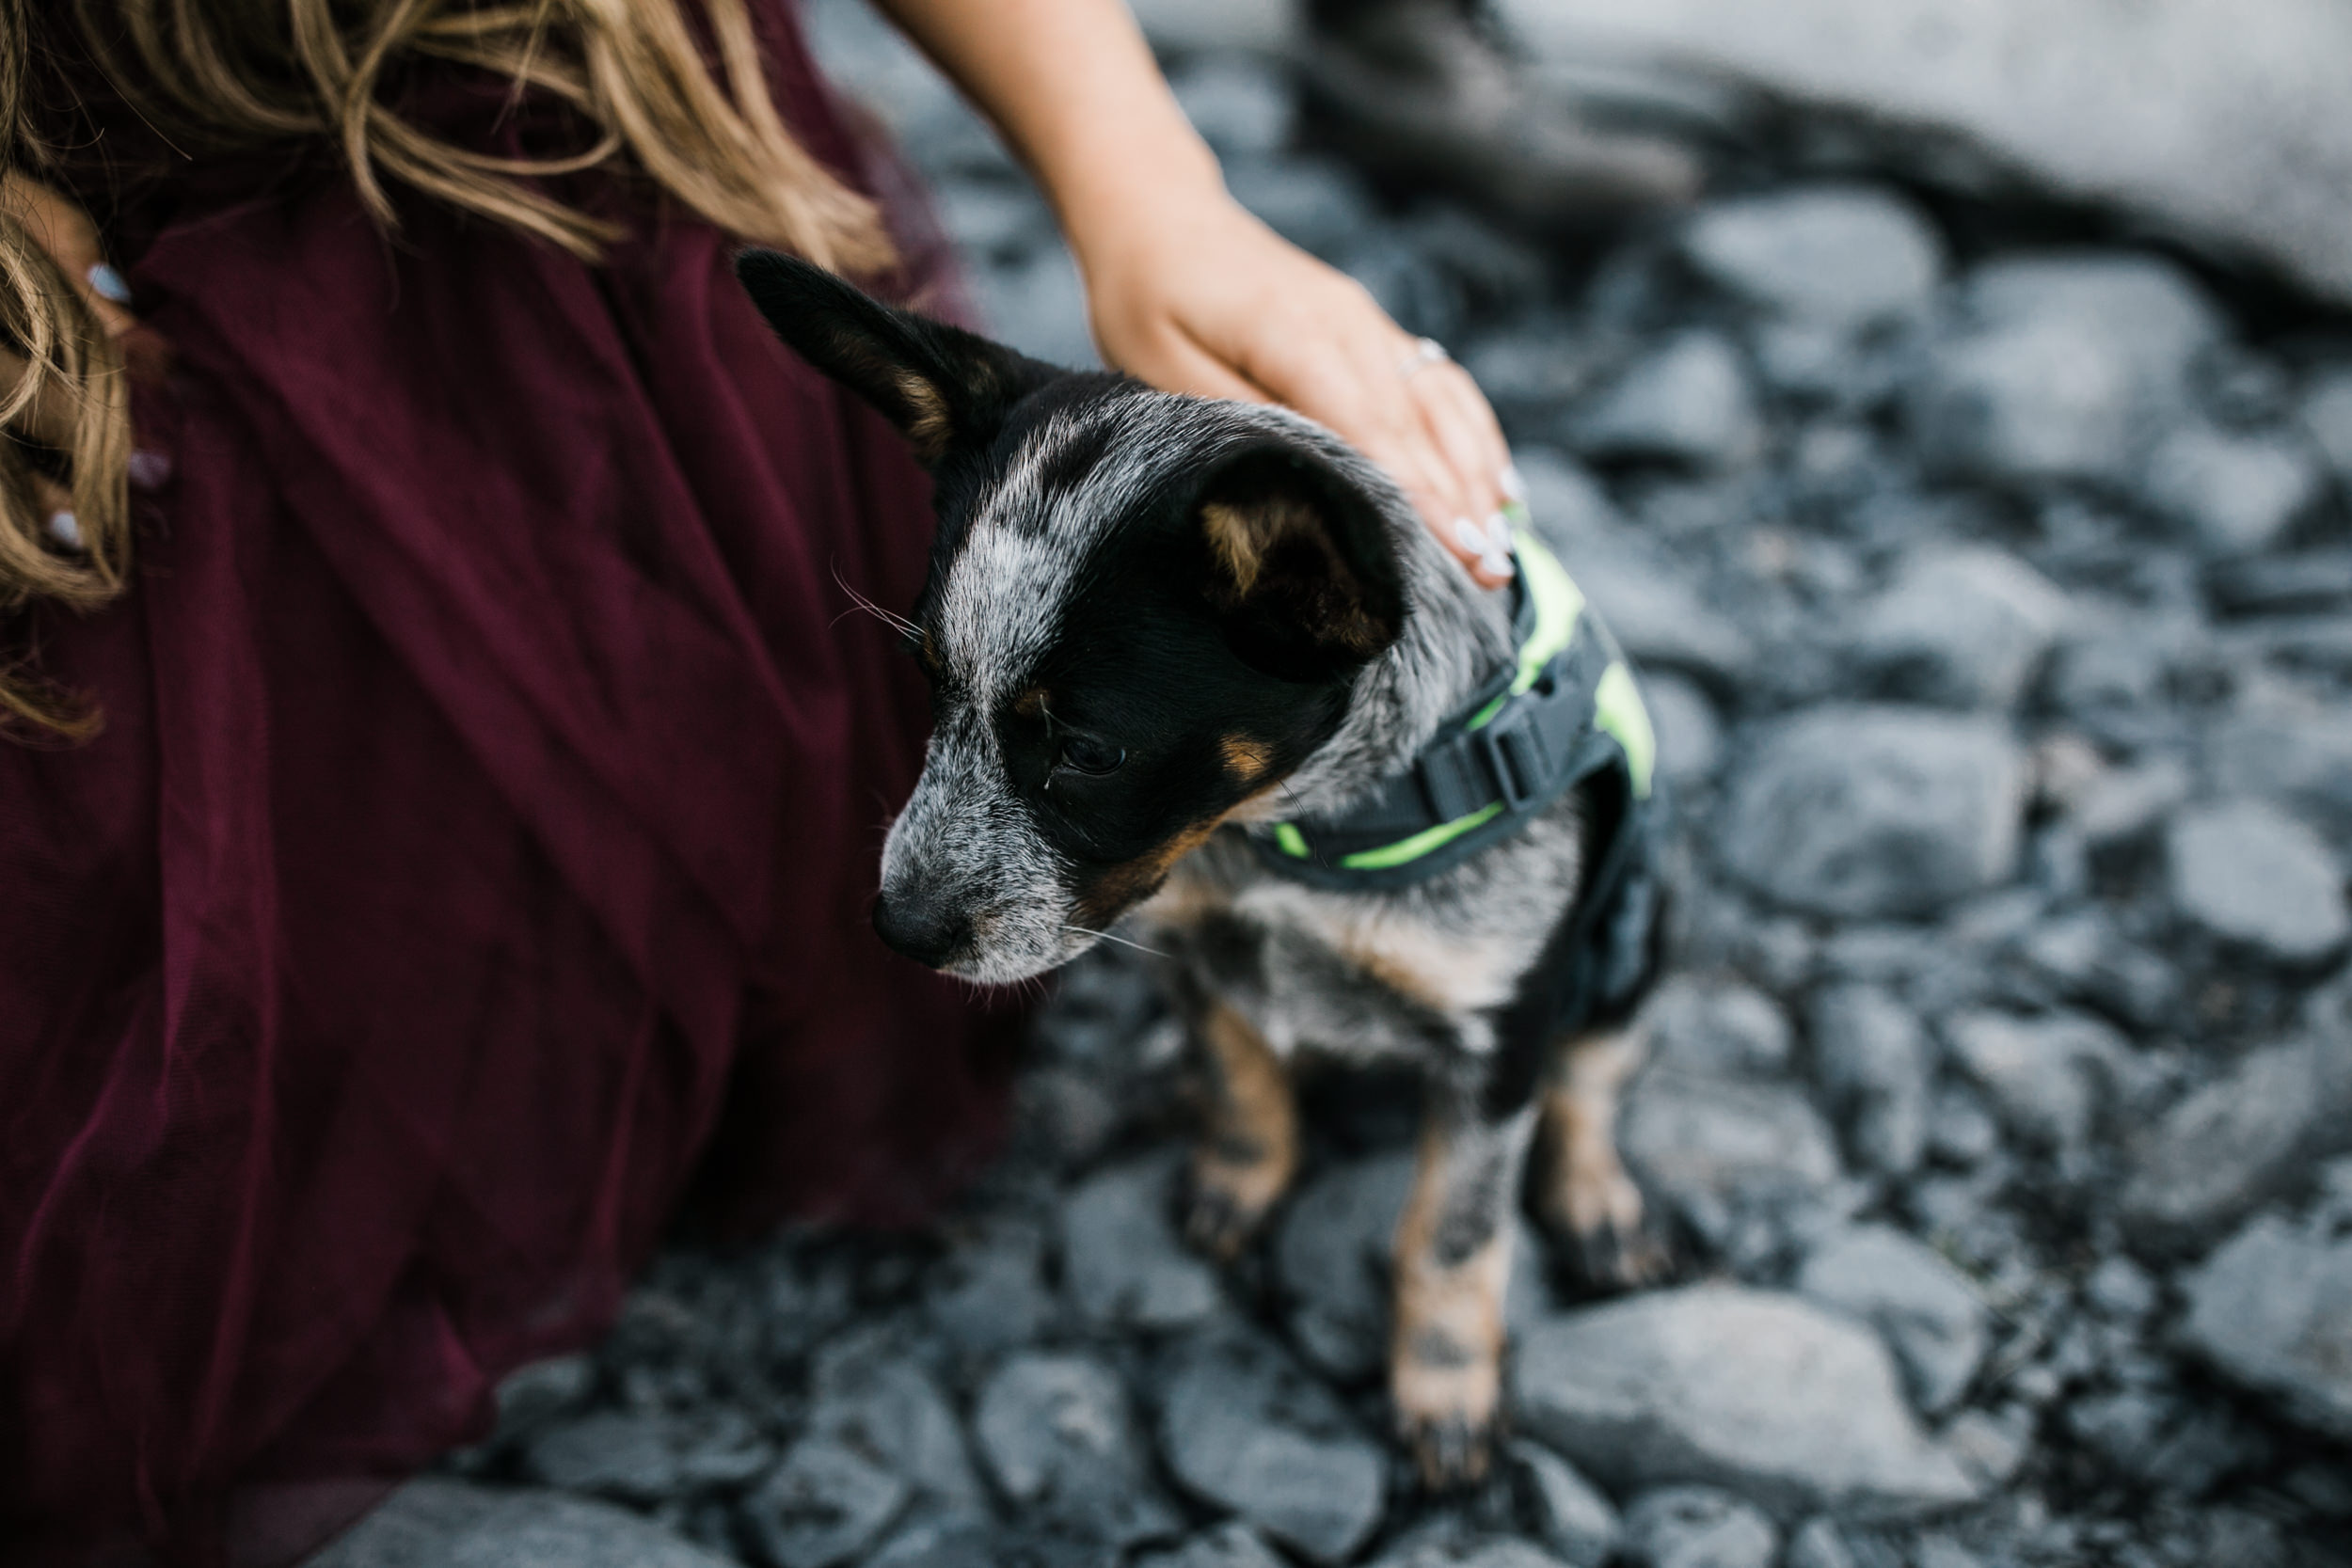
479 844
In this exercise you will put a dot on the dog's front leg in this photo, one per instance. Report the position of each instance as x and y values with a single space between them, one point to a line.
1248 1152
1453 1268
1584 1192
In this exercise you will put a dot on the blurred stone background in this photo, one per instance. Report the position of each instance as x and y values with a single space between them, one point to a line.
1969 474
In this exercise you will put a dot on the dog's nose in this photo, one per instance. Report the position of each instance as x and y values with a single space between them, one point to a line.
926 931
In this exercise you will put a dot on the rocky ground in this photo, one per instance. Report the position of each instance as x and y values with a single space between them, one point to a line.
1996 611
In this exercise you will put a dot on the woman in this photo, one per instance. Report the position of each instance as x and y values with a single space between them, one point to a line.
442 792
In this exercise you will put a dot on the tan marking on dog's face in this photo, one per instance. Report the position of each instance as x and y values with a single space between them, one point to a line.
929 426
1248 1151
1030 703
1247 761
1123 886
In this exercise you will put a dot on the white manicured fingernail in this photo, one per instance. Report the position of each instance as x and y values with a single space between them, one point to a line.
1514 484
1498 534
1471 537
66 529
1497 566
107 283
151 470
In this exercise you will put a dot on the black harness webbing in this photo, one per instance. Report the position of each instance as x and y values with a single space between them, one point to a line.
1566 709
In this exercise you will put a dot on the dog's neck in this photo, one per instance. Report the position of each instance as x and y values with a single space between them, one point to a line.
1456 636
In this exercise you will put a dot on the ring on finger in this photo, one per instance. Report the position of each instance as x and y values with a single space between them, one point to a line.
1427 352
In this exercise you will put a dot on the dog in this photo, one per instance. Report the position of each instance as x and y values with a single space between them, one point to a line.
1200 663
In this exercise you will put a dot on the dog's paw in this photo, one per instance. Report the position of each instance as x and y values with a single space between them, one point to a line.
1447 1416
1225 1204
1613 1239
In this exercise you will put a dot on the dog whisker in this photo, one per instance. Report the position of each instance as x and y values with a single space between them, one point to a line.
897 623
1107 936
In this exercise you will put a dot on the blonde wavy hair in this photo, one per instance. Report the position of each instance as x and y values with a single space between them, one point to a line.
685 105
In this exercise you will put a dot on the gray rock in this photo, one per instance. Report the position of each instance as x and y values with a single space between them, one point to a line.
2113 668
991 1295
1659 618
2237 1142
1941 1551
1687 404
1705 1142
1570 508
2298 758
533 1394
1575 1519
2284 583
1419 296
1818 1544
2272 1311
2326 416
1232 1544
992 221
924 1542
1871 1058
2089 960
1038 307
1927 1309
1690 738
1245 1430
1728 1386
1064 1448
1960 1130
721 1447
2121 1290
1317 205
433 1522
2250 875
1122 1261
2235 153
1331 1259
1242 107
2046 1076
1717 1025
1698 1527
1446 1548
1960 627
870 1397
2066 369
1991 1447
823 1506
2236 493
1842 255
608 1453
1876 812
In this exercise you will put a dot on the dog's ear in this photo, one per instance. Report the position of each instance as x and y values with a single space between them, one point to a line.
939 384
1300 563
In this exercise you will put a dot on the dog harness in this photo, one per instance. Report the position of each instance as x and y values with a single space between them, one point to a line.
1564 710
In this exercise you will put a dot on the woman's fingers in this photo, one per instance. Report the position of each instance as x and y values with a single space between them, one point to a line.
66 233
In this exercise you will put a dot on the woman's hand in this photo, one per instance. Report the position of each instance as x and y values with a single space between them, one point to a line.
65 231
1187 290
1202 297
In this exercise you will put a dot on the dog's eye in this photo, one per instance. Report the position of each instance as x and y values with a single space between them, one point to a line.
1083 753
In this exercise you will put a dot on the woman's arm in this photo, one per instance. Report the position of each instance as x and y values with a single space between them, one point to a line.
1186 289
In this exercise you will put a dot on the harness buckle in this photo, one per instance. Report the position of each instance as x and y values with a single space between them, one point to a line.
1514 755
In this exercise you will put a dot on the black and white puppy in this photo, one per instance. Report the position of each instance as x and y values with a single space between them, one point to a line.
1156 626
